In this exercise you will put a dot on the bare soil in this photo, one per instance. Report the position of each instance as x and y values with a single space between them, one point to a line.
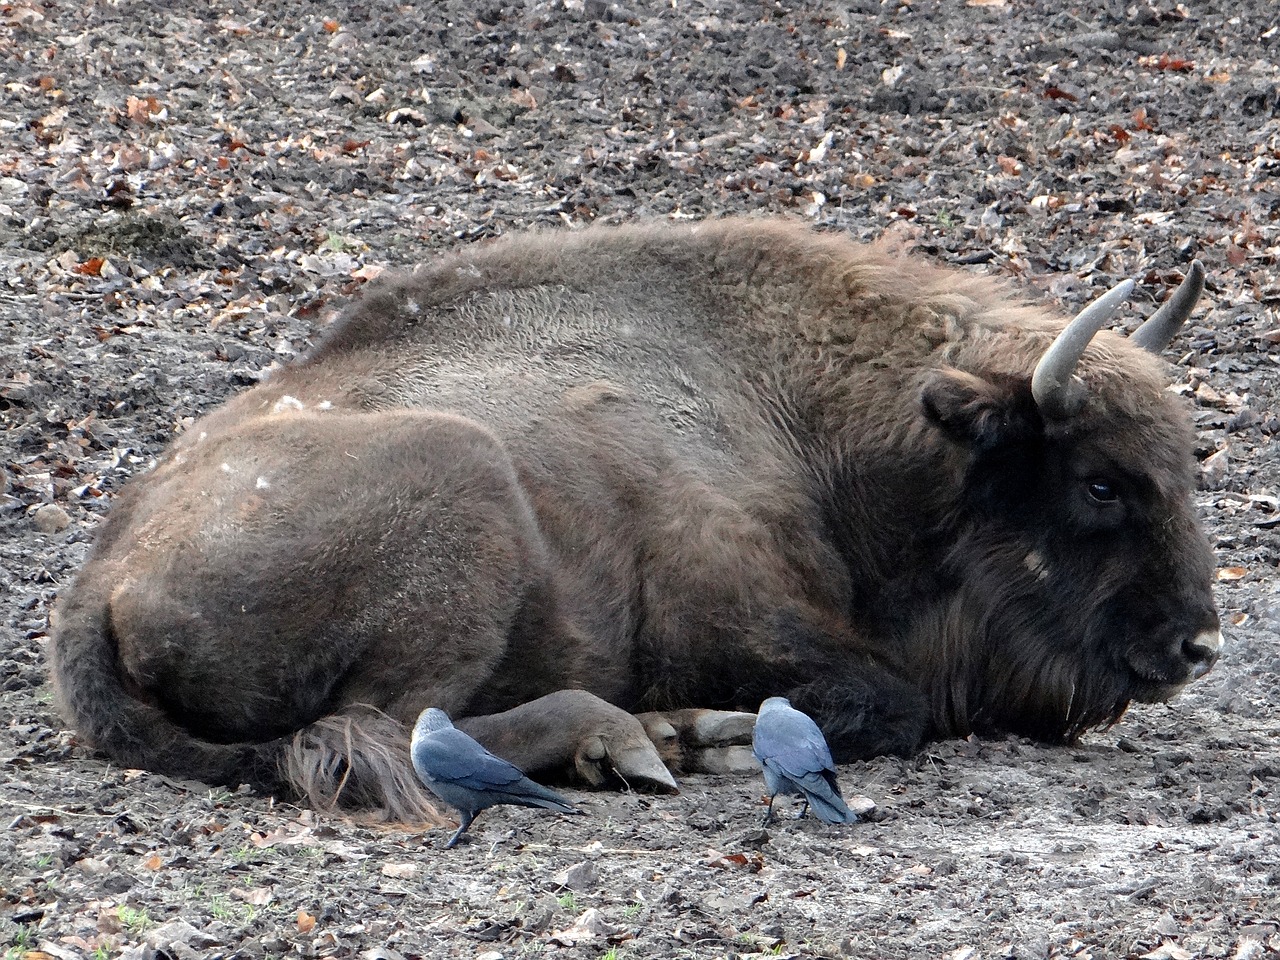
187 191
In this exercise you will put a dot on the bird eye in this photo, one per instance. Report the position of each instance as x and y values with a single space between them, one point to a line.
1102 491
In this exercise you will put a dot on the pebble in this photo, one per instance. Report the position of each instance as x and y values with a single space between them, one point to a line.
51 518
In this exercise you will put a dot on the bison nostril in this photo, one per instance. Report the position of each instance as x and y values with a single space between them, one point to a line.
1202 650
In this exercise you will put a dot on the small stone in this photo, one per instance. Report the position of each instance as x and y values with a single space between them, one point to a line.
1214 470
580 877
51 518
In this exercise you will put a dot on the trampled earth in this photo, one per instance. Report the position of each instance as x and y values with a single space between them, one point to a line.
188 193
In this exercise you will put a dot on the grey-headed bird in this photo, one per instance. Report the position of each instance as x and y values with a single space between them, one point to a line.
468 777
797 760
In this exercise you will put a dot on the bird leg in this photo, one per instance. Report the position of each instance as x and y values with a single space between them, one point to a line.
465 820
768 814
804 808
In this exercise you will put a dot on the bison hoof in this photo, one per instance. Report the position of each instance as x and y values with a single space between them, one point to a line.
703 741
636 765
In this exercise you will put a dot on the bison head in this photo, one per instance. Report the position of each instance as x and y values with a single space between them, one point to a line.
1077 577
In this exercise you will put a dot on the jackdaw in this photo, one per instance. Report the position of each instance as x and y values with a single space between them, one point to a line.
467 776
797 760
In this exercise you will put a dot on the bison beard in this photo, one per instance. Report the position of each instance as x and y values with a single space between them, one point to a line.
561 478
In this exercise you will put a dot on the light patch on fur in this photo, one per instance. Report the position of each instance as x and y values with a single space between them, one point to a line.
324 405
288 403
1036 564
203 435
263 483
225 468
1210 640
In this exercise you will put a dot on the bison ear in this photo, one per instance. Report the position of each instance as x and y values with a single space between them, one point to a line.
979 413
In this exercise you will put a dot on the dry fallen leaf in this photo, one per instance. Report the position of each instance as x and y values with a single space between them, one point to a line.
399 871
143 109
1168 951
1010 165
257 896
1231 573
589 926
306 922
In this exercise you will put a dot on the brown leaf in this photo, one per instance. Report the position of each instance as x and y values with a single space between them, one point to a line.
735 861
140 109
1232 573
1167 62
258 896
90 268
153 862
1010 165
306 922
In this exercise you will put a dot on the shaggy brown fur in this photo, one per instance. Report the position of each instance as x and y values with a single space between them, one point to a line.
560 478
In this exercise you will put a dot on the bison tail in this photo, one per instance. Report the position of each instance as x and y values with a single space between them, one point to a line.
355 763
95 698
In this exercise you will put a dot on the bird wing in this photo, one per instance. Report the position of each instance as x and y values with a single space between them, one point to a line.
451 756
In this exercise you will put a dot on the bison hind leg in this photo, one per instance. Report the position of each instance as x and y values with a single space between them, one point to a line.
355 764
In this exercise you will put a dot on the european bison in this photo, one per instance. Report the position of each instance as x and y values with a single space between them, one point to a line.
562 478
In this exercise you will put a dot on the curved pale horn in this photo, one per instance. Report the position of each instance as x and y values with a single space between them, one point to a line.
1055 393
1158 329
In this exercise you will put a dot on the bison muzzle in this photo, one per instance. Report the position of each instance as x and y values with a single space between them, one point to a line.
559 480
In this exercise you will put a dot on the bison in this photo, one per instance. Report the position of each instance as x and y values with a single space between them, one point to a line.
552 482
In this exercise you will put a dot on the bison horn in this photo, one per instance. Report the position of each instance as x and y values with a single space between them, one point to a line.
1154 335
1057 395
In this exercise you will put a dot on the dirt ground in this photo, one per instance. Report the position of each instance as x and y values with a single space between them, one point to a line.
188 191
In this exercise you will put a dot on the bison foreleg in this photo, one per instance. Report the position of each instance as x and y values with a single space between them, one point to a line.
703 741
867 712
575 732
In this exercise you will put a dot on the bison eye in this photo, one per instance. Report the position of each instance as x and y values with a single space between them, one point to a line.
1102 491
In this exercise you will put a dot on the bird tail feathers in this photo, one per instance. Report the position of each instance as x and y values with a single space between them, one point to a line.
830 808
